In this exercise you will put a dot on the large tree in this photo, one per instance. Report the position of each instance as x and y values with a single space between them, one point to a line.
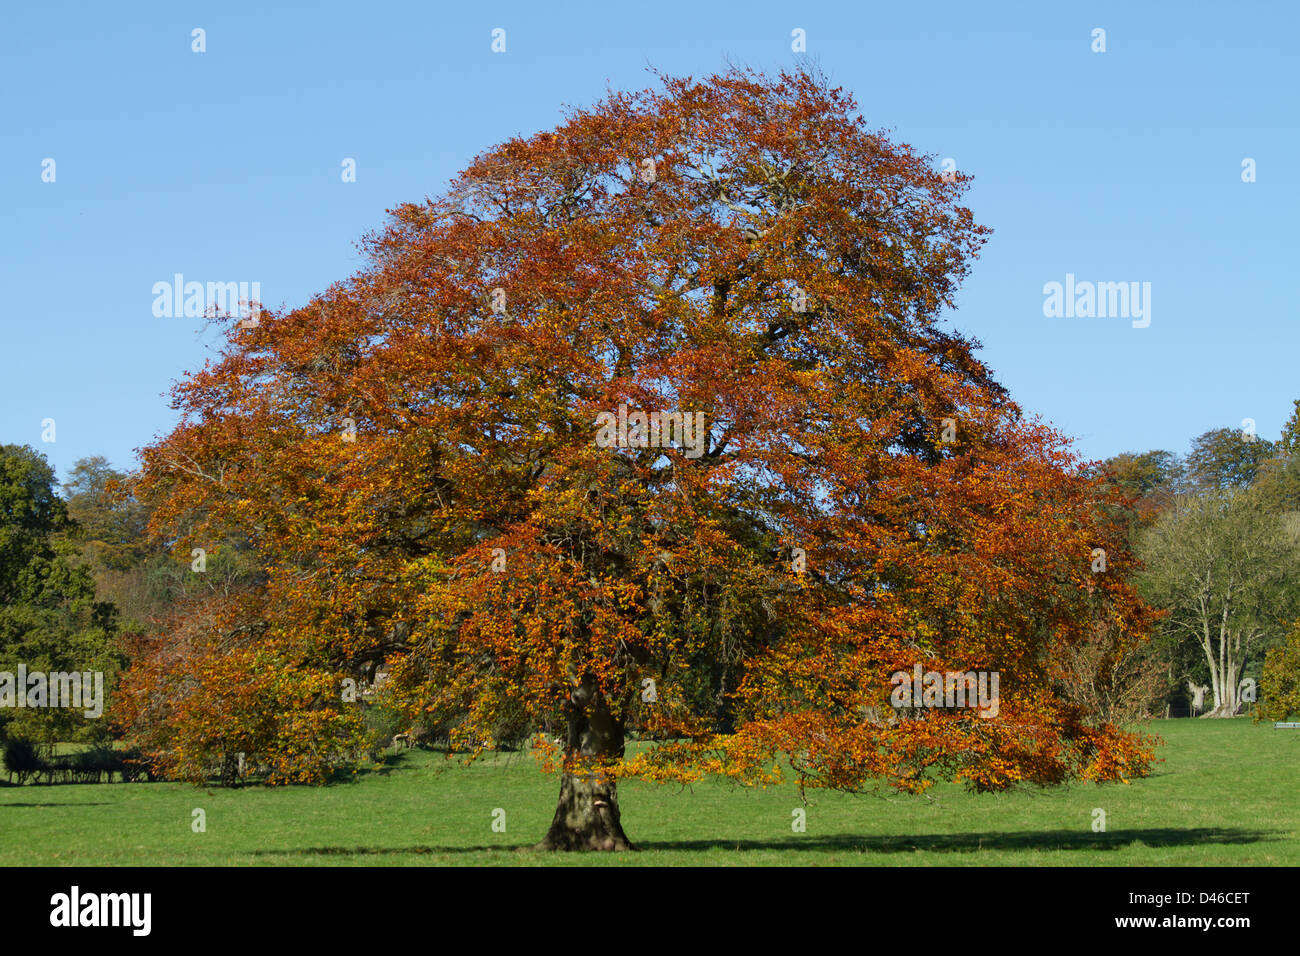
421 460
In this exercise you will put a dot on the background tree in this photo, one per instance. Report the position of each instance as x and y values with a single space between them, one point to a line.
1149 481
1108 677
413 460
1277 482
1279 685
109 532
1226 458
203 697
1223 564
50 620
1289 443
111 525
209 682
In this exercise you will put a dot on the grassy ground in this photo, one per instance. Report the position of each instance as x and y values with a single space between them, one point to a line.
1227 794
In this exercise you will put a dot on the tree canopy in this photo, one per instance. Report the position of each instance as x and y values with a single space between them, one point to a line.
412 461
1224 458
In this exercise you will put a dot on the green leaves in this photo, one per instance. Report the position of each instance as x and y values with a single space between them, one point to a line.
50 619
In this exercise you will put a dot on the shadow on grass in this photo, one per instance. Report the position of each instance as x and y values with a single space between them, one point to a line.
65 803
974 842
390 850
941 843
393 760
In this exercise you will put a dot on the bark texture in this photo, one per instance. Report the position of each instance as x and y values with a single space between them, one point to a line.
586 814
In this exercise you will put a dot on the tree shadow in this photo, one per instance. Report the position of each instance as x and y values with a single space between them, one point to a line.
1160 837
391 850
394 760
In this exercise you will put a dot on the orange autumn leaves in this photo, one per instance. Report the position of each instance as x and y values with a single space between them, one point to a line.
412 460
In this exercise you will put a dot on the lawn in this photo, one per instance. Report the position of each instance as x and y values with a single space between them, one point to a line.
1226 794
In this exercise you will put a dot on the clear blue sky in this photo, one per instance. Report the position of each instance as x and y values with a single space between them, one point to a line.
225 165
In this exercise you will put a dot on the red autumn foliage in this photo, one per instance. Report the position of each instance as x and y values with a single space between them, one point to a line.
413 460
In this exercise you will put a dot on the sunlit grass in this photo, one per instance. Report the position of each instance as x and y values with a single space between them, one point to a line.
1227 794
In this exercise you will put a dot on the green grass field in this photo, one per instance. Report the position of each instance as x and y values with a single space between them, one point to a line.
1226 794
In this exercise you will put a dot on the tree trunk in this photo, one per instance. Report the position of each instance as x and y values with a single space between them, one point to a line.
1224 671
229 769
587 815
